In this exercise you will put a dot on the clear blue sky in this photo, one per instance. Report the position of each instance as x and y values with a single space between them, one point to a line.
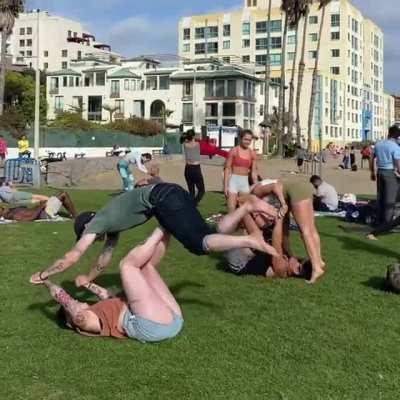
135 27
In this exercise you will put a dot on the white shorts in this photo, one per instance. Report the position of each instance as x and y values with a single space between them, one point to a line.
239 184
53 206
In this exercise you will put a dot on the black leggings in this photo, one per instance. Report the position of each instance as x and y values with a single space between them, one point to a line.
194 178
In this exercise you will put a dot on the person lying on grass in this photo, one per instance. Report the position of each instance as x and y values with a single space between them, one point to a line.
298 197
249 262
146 310
11 195
175 211
44 210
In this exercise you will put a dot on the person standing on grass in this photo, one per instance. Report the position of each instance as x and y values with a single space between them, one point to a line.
3 149
146 310
193 175
134 158
326 197
385 170
175 211
240 165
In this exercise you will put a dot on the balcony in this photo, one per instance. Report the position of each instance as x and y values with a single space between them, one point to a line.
54 90
115 95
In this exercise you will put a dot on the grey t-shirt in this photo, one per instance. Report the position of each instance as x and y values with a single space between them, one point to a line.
7 194
328 195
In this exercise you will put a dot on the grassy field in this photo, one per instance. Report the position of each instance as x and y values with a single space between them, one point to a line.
243 338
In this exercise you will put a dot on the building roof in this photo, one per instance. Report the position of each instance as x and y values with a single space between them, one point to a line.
123 73
98 68
63 72
166 71
141 58
214 74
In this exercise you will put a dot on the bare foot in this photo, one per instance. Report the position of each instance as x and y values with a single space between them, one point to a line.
36 279
258 243
371 237
316 274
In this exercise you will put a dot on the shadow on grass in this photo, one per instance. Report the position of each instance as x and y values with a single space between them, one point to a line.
378 283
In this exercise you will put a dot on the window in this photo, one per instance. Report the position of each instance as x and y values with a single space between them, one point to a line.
246 28
313 37
29 53
164 82
209 88
335 70
29 42
22 31
46 65
229 109
261 44
220 88
313 19
22 43
335 35
226 60
276 26
211 31
64 65
77 82
187 89
65 81
22 53
231 88
291 39
79 55
245 59
187 113
261 59
151 83
261 27
45 53
227 44
312 55
186 34
186 47
199 33
114 88
71 81
64 53
211 110
245 43
291 56
100 78
126 84
54 83
212 47
58 103
120 106
335 19
335 52
227 30
29 31
276 42
200 48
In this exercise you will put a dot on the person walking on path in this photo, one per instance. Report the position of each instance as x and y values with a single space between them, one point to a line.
193 175
134 158
386 161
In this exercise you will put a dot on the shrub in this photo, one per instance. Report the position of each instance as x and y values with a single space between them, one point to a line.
135 126
13 121
72 120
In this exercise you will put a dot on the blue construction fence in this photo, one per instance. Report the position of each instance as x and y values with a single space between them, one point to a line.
19 170
58 138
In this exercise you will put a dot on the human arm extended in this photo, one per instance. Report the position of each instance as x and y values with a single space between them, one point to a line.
254 168
99 291
275 188
69 259
101 263
139 163
372 166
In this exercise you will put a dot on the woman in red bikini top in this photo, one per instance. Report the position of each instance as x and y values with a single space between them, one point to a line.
241 162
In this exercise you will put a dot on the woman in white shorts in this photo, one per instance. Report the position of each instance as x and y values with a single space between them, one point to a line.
240 164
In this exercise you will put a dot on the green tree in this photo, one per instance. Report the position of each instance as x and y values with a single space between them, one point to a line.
9 10
322 6
111 109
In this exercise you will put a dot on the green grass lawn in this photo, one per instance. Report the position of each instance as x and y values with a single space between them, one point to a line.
243 338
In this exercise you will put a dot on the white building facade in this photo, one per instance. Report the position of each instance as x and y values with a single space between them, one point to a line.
61 40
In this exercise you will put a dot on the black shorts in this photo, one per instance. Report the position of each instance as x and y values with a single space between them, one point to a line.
177 213
300 162
258 265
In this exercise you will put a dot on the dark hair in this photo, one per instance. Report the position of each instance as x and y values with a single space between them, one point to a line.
315 178
394 132
81 221
393 278
147 156
188 135
307 270
245 132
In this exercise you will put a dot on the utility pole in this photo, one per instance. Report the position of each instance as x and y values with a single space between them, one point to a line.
36 174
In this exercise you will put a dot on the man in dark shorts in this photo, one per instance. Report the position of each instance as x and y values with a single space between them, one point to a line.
176 212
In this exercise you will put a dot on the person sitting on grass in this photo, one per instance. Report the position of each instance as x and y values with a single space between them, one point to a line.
153 179
175 211
248 262
326 197
11 195
42 211
298 198
146 310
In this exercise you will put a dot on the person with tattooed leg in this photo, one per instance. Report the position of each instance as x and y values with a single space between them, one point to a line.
146 310
175 211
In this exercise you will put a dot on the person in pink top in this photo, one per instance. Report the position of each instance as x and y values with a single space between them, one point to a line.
3 148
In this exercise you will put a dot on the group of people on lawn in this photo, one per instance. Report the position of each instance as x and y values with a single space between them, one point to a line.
253 239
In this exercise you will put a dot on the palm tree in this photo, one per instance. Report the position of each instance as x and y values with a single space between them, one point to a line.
267 79
111 109
299 10
322 6
9 10
305 6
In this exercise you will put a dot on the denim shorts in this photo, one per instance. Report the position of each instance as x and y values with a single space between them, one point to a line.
145 330
239 184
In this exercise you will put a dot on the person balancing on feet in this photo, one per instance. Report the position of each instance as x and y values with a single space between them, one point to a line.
175 211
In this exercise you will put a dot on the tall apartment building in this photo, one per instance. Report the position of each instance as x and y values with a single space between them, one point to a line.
350 99
397 109
60 41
